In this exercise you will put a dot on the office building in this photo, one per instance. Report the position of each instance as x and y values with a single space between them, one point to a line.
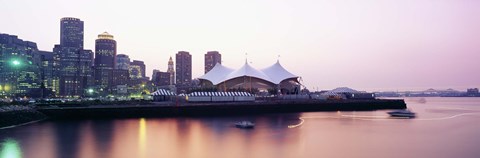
137 69
183 70
120 77
154 73
19 67
105 53
211 59
72 64
71 32
47 72
74 70
123 62
161 78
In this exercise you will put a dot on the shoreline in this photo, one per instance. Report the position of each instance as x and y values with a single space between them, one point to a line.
16 118
172 109
30 114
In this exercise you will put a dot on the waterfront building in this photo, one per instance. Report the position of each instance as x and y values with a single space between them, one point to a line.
171 71
19 67
274 77
183 61
72 64
105 53
211 59
123 62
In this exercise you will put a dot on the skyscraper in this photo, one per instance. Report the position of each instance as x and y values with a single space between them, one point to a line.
71 32
211 59
183 68
105 53
72 64
171 71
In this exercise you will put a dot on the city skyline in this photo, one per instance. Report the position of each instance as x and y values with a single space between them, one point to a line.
411 45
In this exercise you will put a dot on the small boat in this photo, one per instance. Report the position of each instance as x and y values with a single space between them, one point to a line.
244 124
402 113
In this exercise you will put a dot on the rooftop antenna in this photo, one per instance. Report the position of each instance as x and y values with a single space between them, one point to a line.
278 58
246 58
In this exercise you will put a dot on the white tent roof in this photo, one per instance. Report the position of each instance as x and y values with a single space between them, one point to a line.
247 70
274 74
217 74
277 73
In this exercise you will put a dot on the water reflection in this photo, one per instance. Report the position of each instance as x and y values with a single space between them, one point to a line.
68 136
142 137
10 149
322 134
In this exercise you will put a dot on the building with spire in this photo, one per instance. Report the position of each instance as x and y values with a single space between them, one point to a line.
171 71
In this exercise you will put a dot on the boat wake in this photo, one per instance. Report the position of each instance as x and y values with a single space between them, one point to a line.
378 118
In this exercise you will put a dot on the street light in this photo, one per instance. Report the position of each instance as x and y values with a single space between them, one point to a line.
15 62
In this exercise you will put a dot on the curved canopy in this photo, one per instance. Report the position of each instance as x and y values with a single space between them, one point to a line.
273 74
277 73
217 74
247 70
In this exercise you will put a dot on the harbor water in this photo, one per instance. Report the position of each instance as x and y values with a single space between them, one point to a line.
444 127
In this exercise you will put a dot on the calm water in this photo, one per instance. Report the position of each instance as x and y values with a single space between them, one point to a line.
445 127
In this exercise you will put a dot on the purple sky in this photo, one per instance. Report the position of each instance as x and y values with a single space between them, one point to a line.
366 45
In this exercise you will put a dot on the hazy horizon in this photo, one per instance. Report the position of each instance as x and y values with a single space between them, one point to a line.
366 45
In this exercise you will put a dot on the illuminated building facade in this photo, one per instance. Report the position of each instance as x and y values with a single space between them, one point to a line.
71 32
72 64
19 67
47 73
105 53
